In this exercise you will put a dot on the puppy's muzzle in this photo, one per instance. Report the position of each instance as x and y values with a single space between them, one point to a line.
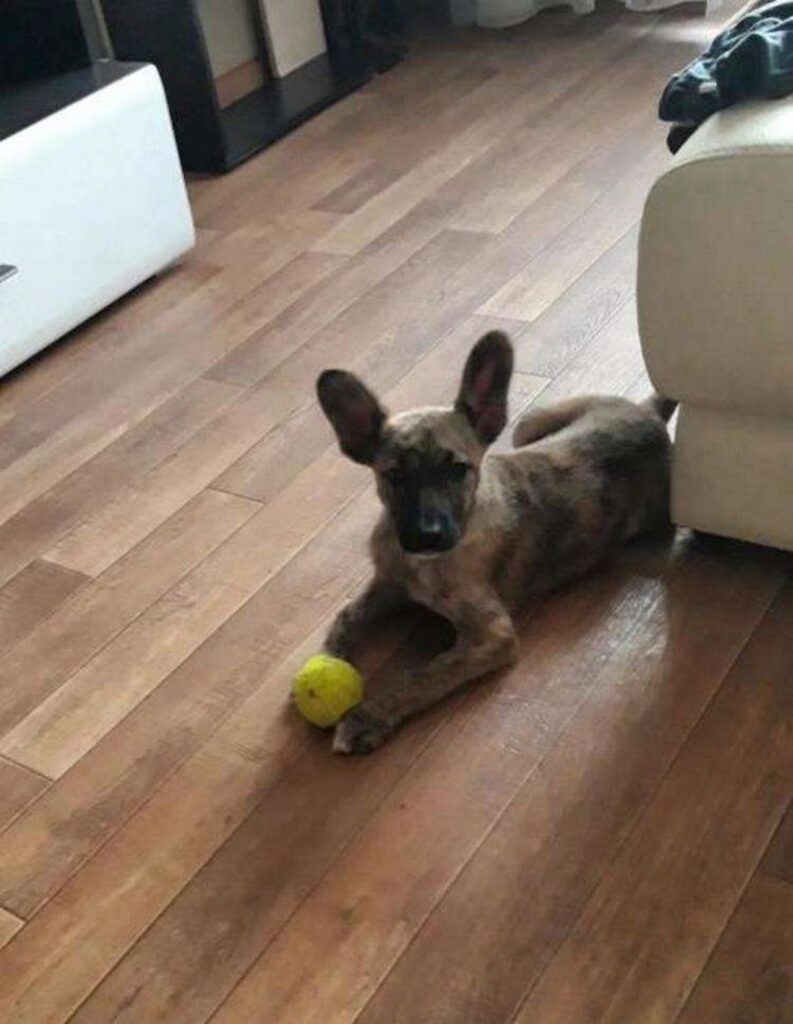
431 530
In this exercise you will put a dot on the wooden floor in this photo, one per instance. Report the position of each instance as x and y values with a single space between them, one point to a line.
601 836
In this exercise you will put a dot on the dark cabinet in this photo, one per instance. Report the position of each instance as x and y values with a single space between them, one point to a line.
212 137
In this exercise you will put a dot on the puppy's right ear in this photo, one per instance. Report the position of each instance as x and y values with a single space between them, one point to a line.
483 389
354 413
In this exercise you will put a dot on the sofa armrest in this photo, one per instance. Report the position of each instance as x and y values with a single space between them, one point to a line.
715 280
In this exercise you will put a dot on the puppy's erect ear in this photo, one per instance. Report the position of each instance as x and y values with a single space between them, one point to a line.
354 413
483 390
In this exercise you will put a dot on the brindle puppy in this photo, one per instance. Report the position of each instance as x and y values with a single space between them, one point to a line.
471 537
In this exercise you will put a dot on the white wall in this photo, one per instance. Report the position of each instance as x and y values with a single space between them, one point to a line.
294 31
230 34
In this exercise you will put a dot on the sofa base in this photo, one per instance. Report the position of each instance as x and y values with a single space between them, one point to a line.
733 475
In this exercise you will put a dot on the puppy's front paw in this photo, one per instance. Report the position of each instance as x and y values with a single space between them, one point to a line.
361 731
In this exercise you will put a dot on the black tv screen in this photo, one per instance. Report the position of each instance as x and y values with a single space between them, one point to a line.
40 37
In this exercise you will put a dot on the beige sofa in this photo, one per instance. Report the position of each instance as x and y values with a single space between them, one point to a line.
715 297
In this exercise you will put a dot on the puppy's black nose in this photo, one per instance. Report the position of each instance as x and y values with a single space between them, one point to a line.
433 538
423 543
430 538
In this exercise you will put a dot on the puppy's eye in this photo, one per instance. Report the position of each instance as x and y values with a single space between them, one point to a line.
458 471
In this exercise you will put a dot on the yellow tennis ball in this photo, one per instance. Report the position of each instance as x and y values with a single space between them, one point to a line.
326 687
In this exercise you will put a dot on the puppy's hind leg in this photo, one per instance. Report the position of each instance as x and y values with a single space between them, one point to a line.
660 406
538 423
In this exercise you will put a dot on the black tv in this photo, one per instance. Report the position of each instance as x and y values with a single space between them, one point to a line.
44 37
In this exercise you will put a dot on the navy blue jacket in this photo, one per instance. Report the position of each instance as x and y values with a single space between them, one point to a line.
752 58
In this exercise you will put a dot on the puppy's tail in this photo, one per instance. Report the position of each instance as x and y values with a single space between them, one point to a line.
539 423
662 407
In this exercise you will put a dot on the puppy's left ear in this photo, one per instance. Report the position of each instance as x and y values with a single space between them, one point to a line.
483 391
354 413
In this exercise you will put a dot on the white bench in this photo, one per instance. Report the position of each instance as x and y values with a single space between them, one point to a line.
92 199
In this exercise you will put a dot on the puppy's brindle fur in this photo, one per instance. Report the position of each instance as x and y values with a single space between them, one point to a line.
470 536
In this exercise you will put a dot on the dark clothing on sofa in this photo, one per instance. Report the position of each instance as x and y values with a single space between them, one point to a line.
752 58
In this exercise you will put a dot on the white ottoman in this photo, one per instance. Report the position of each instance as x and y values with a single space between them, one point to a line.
715 297
92 200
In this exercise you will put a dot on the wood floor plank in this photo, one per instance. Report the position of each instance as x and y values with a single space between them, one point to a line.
158 294
9 926
101 421
503 256
108 329
397 135
505 102
50 974
39 381
101 540
263 897
470 267
358 923
491 937
31 596
41 523
291 594
63 728
572 321
360 919
209 196
251 360
411 298
288 192
749 978
391 370
245 364
130 381
778 860
416 146
18 788
302 168
370 181
48 655
531 292
591 115
45 372
244 257
663 902
499 258
610 363
230 781
423 124
404 117
278 292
